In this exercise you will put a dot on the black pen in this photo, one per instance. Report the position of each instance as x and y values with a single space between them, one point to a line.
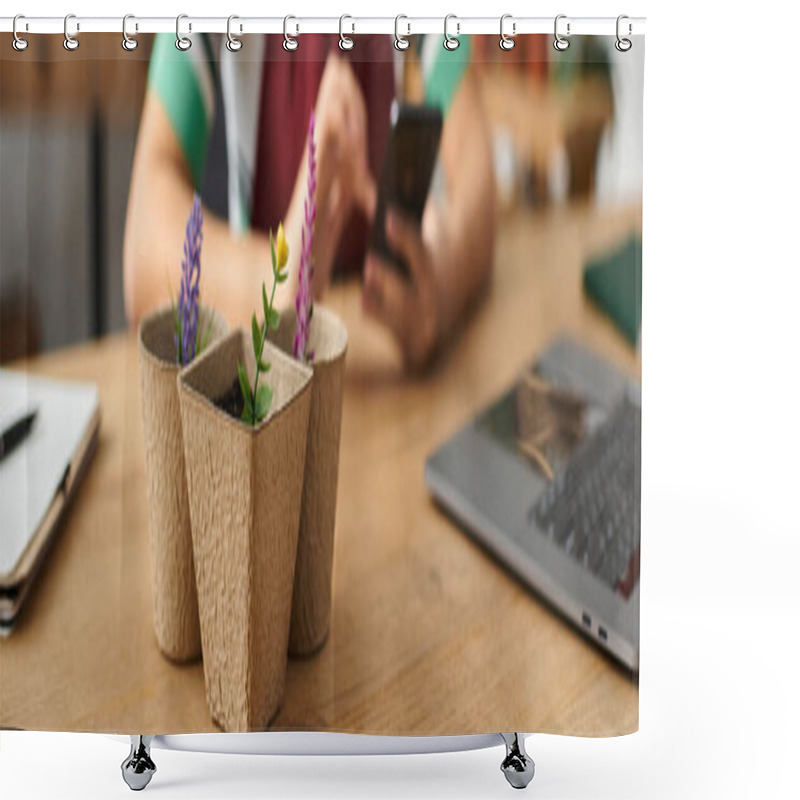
16 432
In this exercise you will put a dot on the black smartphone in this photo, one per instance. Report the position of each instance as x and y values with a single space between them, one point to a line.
408 164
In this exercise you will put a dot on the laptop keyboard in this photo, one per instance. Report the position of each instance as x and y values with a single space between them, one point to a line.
591 510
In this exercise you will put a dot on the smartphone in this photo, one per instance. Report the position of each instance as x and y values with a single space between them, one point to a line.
406 175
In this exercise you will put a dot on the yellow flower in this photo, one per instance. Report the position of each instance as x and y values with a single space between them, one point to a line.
281 248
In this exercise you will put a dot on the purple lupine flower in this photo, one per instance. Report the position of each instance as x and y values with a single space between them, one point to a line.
189 295
304 302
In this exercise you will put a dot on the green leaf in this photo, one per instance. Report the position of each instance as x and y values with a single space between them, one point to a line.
176 320
247 410
263 402
273 319
274 257
256 330
244 385
202 341
282 276
264 366
264 298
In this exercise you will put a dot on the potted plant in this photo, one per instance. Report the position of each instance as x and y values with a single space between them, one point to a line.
316 336
244 407
169 338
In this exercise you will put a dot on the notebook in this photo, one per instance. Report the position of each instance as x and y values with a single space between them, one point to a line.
38 478
614 282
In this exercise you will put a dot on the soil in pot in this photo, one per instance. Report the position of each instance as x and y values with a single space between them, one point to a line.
232 401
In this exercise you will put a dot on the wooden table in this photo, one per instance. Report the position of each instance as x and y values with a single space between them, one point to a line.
429 635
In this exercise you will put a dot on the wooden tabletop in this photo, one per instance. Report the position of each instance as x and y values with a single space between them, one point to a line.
429 635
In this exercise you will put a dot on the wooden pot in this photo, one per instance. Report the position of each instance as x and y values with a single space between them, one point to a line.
245 486
175 619
311 603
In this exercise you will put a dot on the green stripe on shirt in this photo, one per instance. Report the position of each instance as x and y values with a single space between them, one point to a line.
444 74
173 76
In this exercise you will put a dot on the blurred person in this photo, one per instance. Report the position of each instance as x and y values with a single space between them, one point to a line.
259 104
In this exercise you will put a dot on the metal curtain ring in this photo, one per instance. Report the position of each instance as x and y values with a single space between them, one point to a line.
559 42
70 42
233 44
289 42
622 44
19 44
450 42
183 43
400 42
506 42
345 42
128 42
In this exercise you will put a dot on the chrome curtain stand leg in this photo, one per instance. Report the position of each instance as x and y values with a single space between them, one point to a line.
517 766
138 768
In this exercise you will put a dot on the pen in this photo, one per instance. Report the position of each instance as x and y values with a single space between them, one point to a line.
15 433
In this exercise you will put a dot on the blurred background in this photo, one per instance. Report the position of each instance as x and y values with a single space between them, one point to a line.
68 125
566 130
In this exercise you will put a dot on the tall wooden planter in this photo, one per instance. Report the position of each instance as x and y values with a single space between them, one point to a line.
311 603
175 619
245 487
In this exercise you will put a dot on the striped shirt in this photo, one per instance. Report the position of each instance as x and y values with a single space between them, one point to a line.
192 83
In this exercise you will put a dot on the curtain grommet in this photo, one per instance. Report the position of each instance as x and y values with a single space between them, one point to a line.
623 44
507 42
183 43
559 42
451 43
346 43
71 43
234 44
18 43
290 43
129 43
401 43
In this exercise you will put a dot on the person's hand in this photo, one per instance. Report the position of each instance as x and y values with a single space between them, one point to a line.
409 308
343 177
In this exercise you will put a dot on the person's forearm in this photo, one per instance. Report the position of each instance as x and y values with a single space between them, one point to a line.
463 252
461 231
232 268
462 234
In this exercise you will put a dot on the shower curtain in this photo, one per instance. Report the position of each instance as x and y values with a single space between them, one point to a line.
363 326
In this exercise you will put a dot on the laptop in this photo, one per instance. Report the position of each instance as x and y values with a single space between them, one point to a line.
547 479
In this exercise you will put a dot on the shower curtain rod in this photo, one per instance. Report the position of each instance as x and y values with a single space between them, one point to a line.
348 25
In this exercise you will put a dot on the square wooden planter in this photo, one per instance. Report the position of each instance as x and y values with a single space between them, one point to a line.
175 618
245 486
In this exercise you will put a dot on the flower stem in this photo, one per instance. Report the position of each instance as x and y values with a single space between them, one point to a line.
263 338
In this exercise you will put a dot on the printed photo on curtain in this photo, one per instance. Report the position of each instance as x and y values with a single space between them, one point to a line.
321 384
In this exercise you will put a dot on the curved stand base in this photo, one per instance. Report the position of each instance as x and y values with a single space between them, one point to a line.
138 768
517 766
